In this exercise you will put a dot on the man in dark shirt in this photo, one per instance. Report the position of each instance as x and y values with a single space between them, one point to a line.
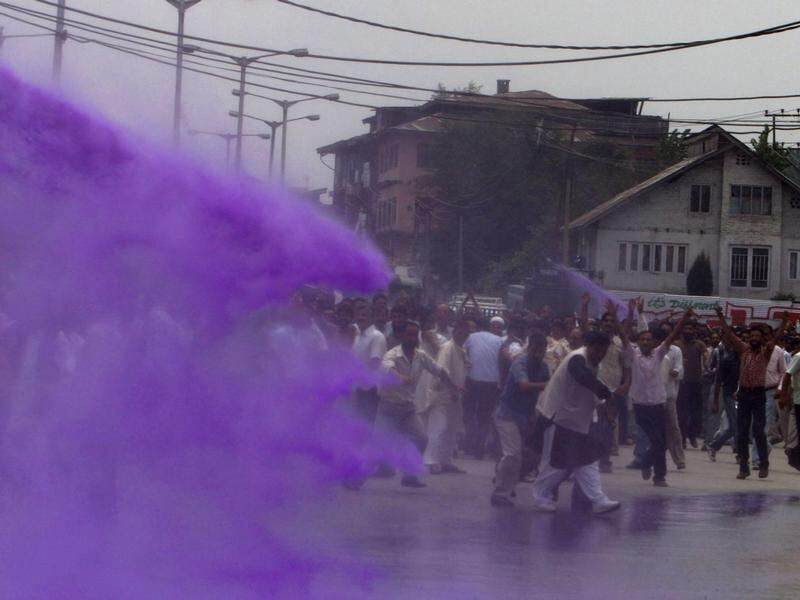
690 393
752 396
527 377
726 381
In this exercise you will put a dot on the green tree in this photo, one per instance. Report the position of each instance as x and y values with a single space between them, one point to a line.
773 154
700 278
672 147
443 93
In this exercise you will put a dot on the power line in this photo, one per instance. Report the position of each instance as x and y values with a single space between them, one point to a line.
446 36
167 46
792 25
491 99
371 82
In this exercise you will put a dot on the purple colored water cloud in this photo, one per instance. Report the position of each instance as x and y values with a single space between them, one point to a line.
161 406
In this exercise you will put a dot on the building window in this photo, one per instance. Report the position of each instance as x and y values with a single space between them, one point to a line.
794 255
742 159
749 267
795 202
387 158
387 213
681 259
751 200
424 155
655 258
700 199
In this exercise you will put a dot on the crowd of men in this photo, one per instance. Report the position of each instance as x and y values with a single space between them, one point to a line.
549 398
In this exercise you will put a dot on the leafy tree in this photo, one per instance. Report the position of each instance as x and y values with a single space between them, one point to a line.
672 147
700 278
773 154
443 93
506 180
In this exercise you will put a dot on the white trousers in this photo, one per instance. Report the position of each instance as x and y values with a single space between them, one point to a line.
442 425
587 477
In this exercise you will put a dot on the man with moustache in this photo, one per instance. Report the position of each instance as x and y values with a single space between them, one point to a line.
752 398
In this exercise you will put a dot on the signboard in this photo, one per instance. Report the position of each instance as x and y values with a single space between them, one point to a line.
738 311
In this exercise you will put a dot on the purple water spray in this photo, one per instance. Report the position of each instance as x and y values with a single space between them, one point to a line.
161 407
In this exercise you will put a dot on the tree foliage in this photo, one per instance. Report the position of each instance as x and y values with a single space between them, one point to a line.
507 183
443 93
773 154
672 147
700 278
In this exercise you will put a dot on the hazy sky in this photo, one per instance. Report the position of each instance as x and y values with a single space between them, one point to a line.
138 94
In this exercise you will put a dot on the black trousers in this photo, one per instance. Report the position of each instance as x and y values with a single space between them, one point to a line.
690 409
653 421
480 400
751 412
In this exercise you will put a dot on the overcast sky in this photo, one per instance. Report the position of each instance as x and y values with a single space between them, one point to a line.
138 94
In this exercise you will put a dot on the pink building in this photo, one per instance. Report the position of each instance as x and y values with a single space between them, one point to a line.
377 174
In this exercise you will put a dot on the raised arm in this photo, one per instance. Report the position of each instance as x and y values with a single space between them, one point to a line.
583 320
676 331
781 330
738 345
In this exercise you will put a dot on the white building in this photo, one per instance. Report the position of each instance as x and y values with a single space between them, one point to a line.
721 199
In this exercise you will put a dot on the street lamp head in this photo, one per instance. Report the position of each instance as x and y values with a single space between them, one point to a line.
313 117
237 92
298 52
234 113
190 48
332 97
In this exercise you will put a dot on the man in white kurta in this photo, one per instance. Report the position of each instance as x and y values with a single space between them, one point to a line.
444 403
568 405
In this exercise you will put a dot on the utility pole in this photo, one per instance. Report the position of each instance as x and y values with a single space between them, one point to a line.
567 199
182 6
461 251
60 38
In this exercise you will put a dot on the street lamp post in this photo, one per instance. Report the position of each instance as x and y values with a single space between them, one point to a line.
182 6
243 62
285 106
273 126
228 138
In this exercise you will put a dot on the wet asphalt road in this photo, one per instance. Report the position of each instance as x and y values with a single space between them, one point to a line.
708 536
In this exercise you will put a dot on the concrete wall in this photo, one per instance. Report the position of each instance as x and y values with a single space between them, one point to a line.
663 216
400 181
739 230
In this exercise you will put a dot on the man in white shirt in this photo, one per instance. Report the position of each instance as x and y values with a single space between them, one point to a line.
649 395
776 367
396 410
790 397
482 387
369 346
672 373
444 403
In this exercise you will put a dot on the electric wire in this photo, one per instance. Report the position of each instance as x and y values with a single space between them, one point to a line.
446 36
368 82
777 29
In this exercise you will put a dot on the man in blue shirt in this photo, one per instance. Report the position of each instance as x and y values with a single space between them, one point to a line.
527 377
